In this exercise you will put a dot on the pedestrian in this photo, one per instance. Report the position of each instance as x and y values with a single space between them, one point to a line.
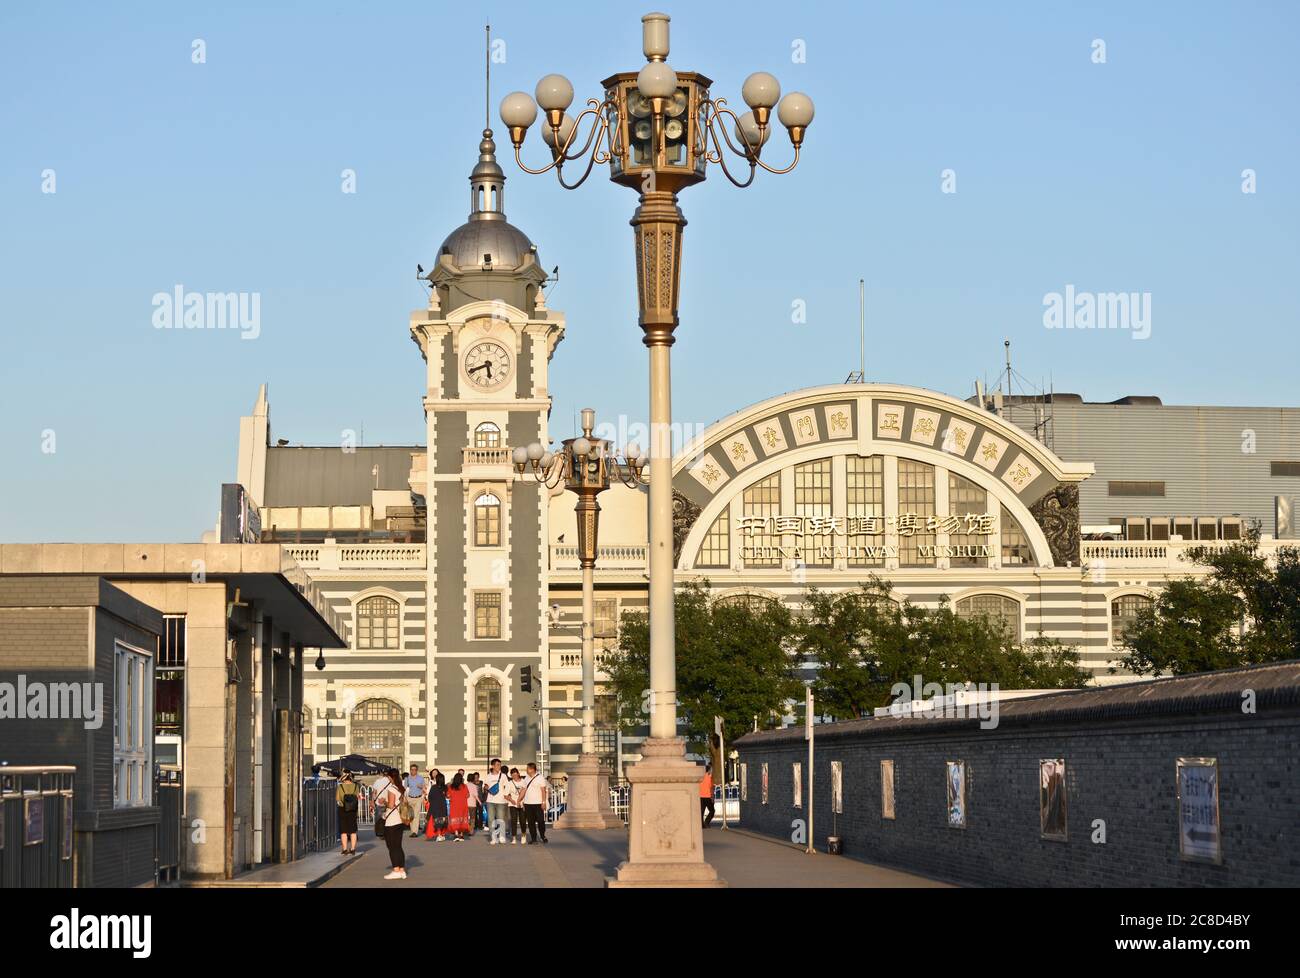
471 785
458 808
494 786
415 785
535 793
514 790
436 827
348 800
377 791
396 819
706 796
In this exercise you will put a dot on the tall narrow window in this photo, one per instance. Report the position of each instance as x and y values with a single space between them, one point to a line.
133 679
865 510
487 614
812 501
965 498
487 435
915 506
378 623
487 718
715 551
487 521
761 505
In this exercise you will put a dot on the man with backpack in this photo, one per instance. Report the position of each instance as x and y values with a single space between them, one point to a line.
495 787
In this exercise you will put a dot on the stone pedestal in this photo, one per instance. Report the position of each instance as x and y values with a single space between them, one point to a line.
587 797
665 838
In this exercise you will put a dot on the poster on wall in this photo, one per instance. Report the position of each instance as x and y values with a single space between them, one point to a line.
2 825
837 787
1198 810
765 782
744 782
956 794
887 789
797 779
1051 799
33 821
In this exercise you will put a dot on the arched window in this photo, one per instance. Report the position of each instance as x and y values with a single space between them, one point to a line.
487 435
1015 545
1123 613
487 521
752 600
378 623
379 732
996 607
487 718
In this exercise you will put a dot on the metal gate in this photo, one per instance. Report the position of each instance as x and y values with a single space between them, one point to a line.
36 827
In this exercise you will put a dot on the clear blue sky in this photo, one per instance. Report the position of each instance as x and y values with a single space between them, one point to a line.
225 176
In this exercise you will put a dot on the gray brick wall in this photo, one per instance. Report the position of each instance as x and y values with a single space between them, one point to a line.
1122 773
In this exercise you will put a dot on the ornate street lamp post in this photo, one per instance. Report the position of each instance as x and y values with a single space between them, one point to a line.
658 129
585 466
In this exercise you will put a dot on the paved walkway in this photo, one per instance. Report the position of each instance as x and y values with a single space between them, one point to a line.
583 859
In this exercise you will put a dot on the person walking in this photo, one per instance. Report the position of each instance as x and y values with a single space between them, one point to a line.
348 799
706 796
396 808
415 786
535 792
458 808
436 826
494 787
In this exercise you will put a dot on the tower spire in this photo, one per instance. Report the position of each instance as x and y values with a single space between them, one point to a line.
487 76
487 181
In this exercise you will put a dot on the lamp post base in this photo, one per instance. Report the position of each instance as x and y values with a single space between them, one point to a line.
587 805
666 837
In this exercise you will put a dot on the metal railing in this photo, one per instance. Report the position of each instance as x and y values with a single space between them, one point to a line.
318 822
170 795
36 827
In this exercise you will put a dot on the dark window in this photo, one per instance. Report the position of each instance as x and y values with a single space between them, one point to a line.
1284 468
1137 488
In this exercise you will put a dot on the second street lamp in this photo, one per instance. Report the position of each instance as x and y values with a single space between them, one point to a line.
585 466
658 129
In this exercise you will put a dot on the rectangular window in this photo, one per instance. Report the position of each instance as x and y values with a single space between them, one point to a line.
1136 488
1284 469
606 618
487 614
866 500
133 682
812 497
915 499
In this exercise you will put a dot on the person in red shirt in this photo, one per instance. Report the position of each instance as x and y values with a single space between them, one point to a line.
706 795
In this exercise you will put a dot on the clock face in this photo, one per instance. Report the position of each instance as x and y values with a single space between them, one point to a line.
487 365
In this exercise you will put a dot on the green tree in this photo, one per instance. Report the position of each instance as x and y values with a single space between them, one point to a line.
1245 611
732 662
864 643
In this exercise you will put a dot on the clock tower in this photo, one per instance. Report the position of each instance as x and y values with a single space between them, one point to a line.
487 339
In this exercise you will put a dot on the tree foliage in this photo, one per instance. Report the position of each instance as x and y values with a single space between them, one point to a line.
1246 611
864 643
732 661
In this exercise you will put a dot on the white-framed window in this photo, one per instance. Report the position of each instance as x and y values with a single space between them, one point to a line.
132 727
487 614
487 520
487 435
1123 615
379 622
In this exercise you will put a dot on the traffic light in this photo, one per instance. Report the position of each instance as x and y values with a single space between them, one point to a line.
526 679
